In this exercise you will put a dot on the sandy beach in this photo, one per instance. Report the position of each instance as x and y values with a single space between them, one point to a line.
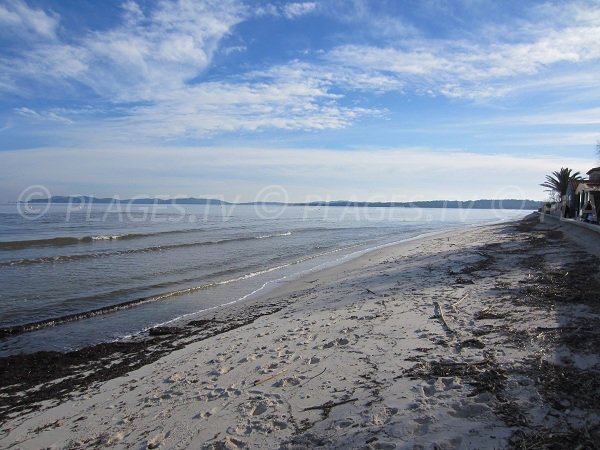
485 337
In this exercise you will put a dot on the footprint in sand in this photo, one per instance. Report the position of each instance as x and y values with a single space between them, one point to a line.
343 424
336 343
382 446
268 368
383 416
154 442
259 409
467 409
227 443
220 371
250 357
176 377
286 382
284 353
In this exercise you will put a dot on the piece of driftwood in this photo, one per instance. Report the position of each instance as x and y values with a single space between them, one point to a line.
455 304
270 377
328 405
439 314
370 291
312 378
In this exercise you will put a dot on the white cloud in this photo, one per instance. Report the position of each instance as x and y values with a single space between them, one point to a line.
202 110
151 58
293 10
395 174
26 112
267 9
290 11
160 52
17 16
156 55
466 68
368 19
146 53
53 116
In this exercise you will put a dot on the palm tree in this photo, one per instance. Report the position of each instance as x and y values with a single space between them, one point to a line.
558 181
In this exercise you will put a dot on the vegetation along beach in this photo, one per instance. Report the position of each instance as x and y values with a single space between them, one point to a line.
290 224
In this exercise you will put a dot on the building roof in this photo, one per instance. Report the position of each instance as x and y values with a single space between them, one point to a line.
588 186
595 169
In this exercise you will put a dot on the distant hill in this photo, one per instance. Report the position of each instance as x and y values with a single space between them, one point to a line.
471 204
136 201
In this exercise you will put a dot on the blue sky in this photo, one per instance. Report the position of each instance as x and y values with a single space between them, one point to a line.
370 100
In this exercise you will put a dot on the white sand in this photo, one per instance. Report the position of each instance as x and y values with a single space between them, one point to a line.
346 341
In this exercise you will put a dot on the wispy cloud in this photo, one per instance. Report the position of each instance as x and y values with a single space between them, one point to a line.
158 52
463 68
223 107
46 115
369 19
153 58
148 68
290 10
145 54
17 16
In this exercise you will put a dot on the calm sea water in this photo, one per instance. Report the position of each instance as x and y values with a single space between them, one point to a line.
79 276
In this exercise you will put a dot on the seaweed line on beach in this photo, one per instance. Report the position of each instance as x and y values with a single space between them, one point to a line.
28 379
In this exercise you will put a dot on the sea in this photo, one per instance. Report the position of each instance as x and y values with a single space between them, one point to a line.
77 275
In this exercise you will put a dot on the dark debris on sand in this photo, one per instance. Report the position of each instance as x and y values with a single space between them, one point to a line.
551 284
563 386
27 380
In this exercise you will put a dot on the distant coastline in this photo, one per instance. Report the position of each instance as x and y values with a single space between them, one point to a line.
455 204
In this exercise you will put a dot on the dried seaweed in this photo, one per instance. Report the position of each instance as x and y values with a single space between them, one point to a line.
577 439
484 376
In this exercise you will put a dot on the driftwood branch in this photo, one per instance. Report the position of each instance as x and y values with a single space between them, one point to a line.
439 314
455 304
328 405
270 377
371 292
312 378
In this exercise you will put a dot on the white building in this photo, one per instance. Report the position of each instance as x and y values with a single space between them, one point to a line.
589 191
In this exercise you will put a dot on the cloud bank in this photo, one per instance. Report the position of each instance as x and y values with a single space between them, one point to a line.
403 174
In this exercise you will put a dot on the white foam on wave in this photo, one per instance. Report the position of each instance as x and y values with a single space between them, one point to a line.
106 237
240 278
266 236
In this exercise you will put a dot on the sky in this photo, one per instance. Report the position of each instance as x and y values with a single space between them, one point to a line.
373 100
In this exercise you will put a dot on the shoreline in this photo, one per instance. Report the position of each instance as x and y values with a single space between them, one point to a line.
182 321
44 367
355 355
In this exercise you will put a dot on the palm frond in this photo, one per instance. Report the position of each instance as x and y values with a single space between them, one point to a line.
559 180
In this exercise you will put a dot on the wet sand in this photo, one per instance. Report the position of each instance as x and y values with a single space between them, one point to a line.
478 338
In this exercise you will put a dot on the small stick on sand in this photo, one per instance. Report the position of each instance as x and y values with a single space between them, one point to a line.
464 297
439 314
264 380
371 292
310 379
328 405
